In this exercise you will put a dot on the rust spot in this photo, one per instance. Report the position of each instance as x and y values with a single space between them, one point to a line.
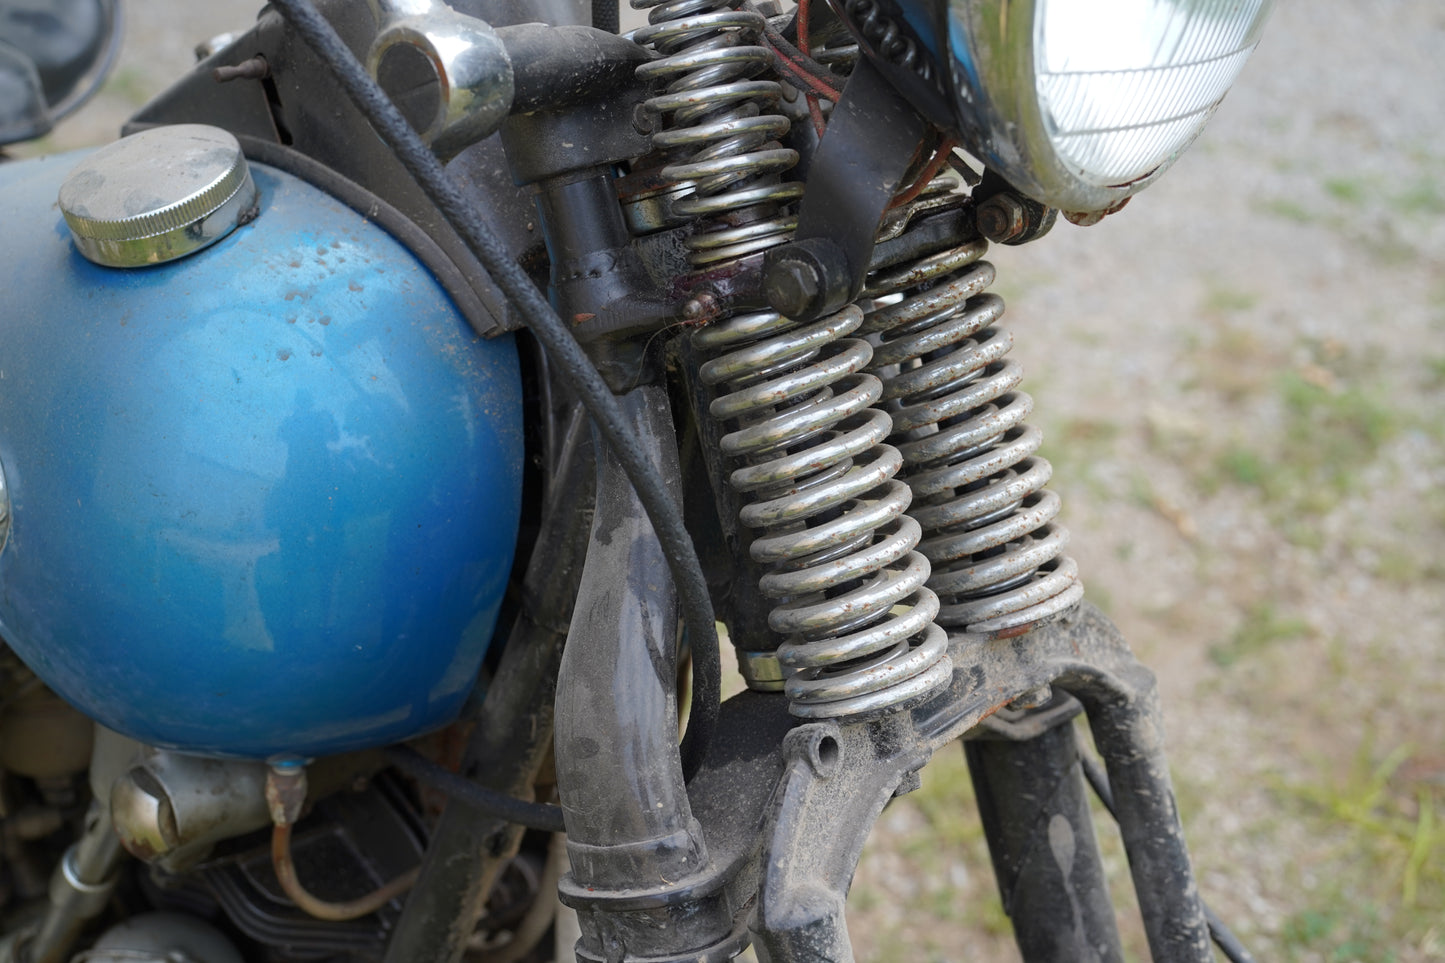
139 848
354 286
284 354
582 318
295 264
291 319
292 295
325 319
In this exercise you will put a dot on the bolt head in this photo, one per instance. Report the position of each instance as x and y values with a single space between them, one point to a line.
792 286
1002 218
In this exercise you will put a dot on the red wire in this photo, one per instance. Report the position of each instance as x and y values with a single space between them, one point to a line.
927 174
815 109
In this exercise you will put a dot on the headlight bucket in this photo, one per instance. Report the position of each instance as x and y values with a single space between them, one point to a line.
1082 106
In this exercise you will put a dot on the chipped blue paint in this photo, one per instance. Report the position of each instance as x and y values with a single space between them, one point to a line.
264 498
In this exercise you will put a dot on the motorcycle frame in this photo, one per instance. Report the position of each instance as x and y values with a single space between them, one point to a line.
762 843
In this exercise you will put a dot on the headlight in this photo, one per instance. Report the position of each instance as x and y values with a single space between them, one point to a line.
1081 103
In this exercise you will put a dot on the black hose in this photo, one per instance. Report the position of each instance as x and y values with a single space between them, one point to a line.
1222 935
605 15
489 801
572 362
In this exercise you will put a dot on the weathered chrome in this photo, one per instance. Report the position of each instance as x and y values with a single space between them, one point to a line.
158 195
850 589
79 890
170 808
448 73
762 671
1008 119
161 938
969 458
720 121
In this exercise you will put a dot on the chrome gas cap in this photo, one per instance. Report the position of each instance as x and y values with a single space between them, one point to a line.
158 195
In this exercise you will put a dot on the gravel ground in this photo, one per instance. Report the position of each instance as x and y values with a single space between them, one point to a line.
1241 379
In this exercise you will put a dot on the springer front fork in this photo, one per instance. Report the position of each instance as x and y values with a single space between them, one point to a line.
896 572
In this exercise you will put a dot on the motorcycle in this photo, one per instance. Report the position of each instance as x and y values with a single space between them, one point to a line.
342 570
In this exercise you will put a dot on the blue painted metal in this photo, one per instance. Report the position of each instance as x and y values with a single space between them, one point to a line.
264 498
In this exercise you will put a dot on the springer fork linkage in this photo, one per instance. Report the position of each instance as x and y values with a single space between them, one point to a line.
883 456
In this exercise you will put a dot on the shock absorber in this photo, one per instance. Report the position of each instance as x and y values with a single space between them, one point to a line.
969 457
839 551
852 597
716 114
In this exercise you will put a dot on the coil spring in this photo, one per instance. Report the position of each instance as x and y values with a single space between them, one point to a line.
969 458
709 63
830 512
890 40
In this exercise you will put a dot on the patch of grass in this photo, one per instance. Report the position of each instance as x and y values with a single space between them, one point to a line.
1241 466
1234 361
1403 567
1332 433
1338 933
1288 210
1349 190
1263 627
1329 435
1423 197
1435 371
1221 299
1391 807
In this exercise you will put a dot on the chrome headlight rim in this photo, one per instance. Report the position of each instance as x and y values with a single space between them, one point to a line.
1122 96
997 87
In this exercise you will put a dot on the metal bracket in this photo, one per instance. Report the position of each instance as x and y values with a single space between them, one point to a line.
871 142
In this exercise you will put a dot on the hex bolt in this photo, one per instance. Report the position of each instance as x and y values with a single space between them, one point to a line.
1002 218
644 121
792 286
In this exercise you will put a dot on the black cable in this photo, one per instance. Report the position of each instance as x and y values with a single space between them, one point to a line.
1222 935
572 362
493 803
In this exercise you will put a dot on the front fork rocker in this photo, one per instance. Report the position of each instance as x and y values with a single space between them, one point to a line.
838 778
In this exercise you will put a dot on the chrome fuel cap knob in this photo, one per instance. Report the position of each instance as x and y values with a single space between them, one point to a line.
158 195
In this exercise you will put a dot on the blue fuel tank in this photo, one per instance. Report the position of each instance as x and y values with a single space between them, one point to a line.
262 499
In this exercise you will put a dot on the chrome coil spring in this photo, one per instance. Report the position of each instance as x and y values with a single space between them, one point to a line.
716 112
969 457
851 593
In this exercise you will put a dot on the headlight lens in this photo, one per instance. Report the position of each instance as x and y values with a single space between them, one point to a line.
1081 103
1124 89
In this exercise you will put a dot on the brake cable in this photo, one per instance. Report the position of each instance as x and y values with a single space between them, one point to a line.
573 364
